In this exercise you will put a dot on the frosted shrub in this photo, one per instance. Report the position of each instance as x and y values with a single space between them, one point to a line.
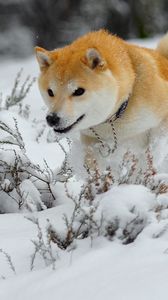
42 247
18 92
25 185
9 261
105 204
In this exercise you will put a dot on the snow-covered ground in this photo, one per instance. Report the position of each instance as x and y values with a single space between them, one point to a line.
96 267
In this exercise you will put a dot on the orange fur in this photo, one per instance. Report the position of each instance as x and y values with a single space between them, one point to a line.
138 73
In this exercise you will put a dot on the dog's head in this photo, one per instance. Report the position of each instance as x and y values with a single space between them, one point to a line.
78 87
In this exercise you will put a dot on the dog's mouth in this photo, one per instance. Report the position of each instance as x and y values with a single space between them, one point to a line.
66 129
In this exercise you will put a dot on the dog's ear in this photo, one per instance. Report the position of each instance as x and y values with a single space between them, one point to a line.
43 57
93 59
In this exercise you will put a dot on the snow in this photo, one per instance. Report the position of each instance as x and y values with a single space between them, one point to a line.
97 267
105 270
114 204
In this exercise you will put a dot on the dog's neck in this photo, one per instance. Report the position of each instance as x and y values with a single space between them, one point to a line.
118 114
105 148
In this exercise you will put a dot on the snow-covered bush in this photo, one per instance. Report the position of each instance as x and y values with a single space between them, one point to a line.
18 92
24 185
115 205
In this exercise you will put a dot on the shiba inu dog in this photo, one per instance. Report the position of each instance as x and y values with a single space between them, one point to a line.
100 83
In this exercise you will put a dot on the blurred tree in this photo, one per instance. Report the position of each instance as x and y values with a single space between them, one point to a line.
118 17
15 39
54 23
148 17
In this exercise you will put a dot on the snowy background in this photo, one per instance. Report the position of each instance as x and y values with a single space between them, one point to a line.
111 245
62 237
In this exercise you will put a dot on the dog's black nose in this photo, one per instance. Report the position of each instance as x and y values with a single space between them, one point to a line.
52 119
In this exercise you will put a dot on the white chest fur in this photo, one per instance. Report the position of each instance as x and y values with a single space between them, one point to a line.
127 126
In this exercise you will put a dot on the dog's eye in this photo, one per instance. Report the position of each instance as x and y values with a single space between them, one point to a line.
78 92
50 93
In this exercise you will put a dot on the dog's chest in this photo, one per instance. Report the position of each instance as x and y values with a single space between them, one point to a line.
126 127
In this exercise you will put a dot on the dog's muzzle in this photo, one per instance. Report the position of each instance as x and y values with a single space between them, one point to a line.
54 121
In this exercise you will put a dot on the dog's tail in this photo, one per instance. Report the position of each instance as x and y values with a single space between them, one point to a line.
162 47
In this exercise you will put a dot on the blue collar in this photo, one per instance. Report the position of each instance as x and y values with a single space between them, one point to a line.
119 112
121 109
